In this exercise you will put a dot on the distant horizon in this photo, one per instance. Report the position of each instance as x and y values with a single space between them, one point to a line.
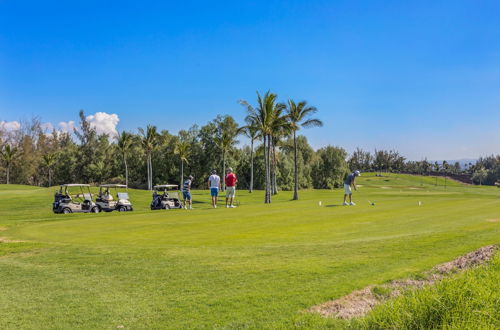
419 78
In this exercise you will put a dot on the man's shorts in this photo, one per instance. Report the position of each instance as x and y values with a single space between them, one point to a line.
214 192
230 192
347 189
187 195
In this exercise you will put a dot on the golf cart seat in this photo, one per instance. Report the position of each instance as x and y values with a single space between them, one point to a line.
87 197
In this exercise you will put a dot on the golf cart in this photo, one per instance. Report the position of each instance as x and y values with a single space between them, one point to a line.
66 201
106 202
166 197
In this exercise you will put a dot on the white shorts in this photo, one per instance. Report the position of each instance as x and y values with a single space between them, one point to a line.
230 192
347 189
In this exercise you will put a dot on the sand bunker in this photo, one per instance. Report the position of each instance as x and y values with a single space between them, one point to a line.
360 302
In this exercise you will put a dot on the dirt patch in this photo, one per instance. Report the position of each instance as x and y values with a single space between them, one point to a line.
360 302
6 240
386 187
493 220
3 228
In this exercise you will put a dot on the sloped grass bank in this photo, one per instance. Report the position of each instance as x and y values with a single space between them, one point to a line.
468 300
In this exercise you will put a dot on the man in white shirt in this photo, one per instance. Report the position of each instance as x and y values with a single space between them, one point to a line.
214 186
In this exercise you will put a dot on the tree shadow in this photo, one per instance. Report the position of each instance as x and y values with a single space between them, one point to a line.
333 205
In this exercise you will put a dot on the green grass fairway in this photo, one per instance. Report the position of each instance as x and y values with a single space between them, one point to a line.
254 266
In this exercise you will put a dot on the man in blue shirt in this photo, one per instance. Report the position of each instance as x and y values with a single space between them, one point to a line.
186 192
349 181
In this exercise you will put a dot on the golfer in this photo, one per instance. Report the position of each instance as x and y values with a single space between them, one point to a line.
349 181
186 192
214 186
230 187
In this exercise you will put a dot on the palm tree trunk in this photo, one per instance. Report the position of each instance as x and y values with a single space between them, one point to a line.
8 173
268 169
149 171
273 173
295 170
182 173
269 142
126 171
266 165
223 176
50 177
251 166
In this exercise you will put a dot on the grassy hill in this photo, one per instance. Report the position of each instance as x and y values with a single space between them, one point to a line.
254 266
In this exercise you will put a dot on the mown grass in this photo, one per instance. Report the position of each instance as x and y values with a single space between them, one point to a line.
257 266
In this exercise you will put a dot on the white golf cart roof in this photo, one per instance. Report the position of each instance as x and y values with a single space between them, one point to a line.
165 186
113 185
75 185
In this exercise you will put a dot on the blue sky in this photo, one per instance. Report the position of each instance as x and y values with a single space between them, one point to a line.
422 77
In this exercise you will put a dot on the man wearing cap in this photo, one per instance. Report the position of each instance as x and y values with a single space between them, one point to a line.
214 186
186 192
230 187
349 181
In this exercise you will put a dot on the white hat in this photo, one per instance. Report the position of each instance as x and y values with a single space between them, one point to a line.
357 173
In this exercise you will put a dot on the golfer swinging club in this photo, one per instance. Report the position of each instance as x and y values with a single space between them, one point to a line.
350 180
214 186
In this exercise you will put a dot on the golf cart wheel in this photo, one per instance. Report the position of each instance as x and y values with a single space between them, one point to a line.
167 207
95 209
122 209
66 210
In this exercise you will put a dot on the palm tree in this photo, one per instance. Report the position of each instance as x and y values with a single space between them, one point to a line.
149 143
250 130
8 155
280 130
266 117
49 160
125 143
298 115
182 149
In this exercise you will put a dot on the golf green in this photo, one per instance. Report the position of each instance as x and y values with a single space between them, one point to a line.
253 266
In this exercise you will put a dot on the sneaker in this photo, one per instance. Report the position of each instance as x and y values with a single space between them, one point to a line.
215 206
227 206
185 207
345 203
352 203
232 206
190 207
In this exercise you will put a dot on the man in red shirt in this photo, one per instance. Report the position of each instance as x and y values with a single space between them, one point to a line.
230 187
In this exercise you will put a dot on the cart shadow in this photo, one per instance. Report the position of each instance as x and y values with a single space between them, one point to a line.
333 205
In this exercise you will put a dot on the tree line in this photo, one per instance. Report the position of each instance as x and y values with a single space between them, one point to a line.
277 157
486 170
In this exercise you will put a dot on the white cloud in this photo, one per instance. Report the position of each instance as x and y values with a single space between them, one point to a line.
9 126
67 127
104 123
48 127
